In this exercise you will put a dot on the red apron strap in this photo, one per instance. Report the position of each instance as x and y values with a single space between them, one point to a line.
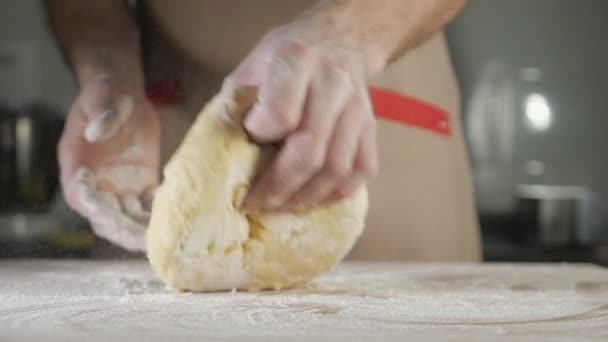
387 105
392 106
164 93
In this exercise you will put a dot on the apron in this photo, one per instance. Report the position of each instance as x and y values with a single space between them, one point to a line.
421 203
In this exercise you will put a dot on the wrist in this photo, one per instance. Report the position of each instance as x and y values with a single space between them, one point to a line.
116 65
381 30
348 24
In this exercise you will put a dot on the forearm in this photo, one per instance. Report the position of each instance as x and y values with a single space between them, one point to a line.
383 29
97 38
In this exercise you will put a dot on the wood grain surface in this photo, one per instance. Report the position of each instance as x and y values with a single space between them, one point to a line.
122 300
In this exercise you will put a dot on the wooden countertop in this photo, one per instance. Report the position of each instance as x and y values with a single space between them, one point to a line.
123 300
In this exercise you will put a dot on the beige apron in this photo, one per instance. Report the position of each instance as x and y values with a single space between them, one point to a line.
421 204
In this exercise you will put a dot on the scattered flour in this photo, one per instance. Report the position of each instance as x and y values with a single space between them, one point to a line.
113 300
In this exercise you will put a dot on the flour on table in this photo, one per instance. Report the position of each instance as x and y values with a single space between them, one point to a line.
100 301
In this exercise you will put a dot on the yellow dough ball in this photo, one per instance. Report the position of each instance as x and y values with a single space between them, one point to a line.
200 240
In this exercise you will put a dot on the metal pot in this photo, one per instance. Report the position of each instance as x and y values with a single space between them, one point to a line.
565 214
29 172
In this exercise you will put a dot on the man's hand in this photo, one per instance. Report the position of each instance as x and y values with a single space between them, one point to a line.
313 98
312 76
109 159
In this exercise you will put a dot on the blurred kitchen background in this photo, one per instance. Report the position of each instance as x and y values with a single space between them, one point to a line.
534 81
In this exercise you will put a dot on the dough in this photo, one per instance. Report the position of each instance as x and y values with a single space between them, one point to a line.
200 240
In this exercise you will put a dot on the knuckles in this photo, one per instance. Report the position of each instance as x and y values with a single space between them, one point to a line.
334 69
310 162
339 61
307 158
343 192
286 117
294 49
337 169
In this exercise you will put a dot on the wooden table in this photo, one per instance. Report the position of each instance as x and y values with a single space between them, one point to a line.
119 301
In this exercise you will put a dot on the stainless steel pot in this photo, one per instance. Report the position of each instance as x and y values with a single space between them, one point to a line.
566 214
29 173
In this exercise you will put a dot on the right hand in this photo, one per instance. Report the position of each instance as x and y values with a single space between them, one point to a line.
313 100
109 160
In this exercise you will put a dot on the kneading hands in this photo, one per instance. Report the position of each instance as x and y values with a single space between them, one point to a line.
311 75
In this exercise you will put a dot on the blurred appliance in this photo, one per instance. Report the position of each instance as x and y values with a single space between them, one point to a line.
34 220
29 176
563 215
534 119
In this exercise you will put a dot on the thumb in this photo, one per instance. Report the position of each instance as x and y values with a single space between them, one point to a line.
105 120
237 101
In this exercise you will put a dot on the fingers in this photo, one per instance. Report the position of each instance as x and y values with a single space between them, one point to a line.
281 96
345 189
125 179
315 102
365 166
297 182
367 161
134 207
147 198
300 157
104 210
303 154
338 167
238 100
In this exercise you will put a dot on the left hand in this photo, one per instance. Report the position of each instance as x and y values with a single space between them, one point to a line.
313 97
109 158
